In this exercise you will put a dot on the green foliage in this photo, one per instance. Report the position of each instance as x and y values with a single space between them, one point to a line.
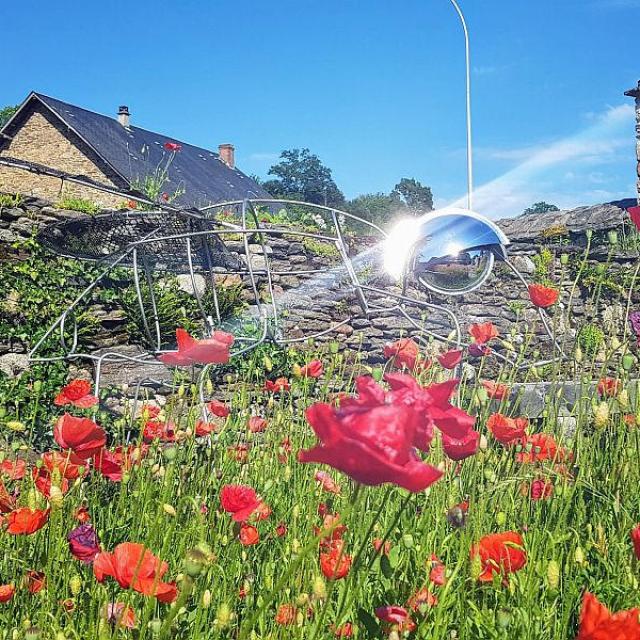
416 197
300 175
320 248
176 308
78 204
378 208
590 338
10 200
6 113
544 263
155 185
540 207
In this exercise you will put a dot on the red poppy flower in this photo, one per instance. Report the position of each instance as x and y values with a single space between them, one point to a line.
248 535
81 514
277 385
437 574
506 430
240 500
540 447
113 464
26 521
205 428
132 204
331 529
174 147
381 547
609 387
6 592
35 581
461 448
541 489
7 500
478 350
218 408
405 353
334 562
422 598
397 616
451 359
43 481
313 369
13 469
286 614
634 214
213 350
67 465
370 440
165 431
483 332
257 424
165 197
635 538
542 296
83 436
598 623
281 529
343 631
135 567
119 614
326 482
239 452
76 393
500 553
495 390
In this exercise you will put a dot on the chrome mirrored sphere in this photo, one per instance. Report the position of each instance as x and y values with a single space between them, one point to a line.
455 252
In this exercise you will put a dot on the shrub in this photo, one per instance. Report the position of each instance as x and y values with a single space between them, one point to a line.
78 204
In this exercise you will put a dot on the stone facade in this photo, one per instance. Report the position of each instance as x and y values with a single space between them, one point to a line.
43 140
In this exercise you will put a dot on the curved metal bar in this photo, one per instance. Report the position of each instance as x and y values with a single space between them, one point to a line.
196 292
136 283
152 297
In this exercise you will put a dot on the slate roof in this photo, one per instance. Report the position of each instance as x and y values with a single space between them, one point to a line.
598 217
134 153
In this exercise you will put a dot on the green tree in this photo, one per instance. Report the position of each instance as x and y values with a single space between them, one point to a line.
6 114
378 208
416 197
300 175
541 207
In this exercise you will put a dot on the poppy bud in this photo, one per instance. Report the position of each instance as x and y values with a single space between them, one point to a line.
623 399
15 425
553 574
501 518
627 361
319 588
377 374
578 557
476 567
601 416
37 386
155 625
407 541
170 453
209 386
56 497
296 511
612 237
268 363
181 391
32 633
287 473
564 259
206 599
578 355
75 584
302 599
194 562
224 615
503 618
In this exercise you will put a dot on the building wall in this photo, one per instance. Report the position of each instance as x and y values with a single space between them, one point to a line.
43 141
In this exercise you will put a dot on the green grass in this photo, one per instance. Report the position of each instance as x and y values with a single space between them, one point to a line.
78 204
11 200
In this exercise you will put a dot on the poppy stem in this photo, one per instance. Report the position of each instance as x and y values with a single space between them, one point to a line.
185 592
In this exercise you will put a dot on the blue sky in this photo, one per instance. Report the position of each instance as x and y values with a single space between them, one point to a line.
375 88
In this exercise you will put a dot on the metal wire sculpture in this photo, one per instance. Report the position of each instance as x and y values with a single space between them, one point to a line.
231 239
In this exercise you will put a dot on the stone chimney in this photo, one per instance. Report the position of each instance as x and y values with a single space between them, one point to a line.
635 93
226 153
123 115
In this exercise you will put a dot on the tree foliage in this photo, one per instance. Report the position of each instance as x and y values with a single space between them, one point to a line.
301 175
6 113
541 207
415 196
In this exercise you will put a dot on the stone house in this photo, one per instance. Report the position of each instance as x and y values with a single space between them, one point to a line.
48 144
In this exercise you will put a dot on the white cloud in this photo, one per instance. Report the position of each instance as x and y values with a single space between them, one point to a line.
263 156
561 172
